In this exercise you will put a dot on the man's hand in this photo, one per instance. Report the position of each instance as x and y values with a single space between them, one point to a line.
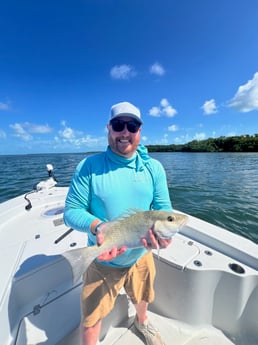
155 242
113 252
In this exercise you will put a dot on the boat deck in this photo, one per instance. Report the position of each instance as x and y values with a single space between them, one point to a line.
205 279
173 332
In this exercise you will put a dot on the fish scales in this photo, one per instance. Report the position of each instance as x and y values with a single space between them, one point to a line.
128 232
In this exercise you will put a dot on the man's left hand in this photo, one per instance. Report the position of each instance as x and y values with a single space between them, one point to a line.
155 242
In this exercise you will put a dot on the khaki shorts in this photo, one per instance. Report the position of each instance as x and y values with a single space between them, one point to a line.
103 283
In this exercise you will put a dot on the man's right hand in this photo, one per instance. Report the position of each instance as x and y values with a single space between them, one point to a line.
109 255
100 236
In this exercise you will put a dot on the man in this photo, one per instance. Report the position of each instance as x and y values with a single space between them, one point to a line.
105 186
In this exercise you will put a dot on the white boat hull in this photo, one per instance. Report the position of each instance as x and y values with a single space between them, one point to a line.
206 284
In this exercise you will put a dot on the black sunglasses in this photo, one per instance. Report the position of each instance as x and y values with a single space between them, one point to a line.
119 125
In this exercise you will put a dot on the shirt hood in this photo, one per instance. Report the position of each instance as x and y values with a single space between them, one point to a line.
137 161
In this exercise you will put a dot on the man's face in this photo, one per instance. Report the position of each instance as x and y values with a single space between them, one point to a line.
123 143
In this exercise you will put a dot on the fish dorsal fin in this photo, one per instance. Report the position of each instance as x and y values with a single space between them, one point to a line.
129 212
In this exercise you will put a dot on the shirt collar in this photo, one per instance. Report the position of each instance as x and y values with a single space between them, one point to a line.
134 162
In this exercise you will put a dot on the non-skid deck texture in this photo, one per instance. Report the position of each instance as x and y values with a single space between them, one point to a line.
173 333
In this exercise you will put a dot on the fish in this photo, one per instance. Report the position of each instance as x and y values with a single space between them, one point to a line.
127 231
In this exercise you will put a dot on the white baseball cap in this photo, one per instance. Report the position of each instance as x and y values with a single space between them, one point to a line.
125 109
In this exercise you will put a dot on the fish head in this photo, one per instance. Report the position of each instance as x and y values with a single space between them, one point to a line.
168 223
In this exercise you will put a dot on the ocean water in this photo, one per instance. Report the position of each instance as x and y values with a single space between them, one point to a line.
221 188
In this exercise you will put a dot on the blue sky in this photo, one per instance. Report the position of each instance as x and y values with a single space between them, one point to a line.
190 66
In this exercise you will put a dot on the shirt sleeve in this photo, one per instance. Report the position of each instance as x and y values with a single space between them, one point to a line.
77 204
161 197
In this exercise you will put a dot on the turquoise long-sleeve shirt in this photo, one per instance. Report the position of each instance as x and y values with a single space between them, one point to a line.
107 186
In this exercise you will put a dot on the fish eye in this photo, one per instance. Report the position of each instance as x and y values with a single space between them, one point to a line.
170 218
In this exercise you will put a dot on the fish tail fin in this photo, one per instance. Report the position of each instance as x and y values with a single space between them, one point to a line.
79 260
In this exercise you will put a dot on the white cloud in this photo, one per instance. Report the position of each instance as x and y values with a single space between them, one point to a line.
89 140
4 106
199 136
246 97
76 138
231 134
20 132
123 72
155 111
164 140
164 109
169 111
209 107
183 139
173 128
157 69
23 130
164 103
33 128
67 133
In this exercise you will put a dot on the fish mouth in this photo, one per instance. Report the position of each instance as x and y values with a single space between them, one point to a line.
159 237
164 238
